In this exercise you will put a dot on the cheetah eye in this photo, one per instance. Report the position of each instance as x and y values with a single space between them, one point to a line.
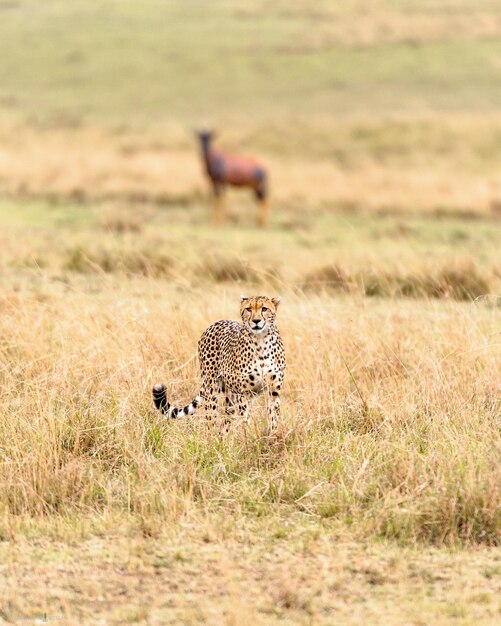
264 308
249 309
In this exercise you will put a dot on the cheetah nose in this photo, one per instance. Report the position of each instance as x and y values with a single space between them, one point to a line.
256 322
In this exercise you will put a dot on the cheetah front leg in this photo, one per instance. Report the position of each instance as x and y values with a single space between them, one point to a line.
242 401
230 404
211 389
274 388
230 409
235 403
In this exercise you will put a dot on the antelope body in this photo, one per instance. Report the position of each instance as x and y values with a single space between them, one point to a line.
235 170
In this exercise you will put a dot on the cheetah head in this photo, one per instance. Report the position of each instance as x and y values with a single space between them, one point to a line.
258 312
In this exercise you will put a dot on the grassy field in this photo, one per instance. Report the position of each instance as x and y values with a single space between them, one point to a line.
378 500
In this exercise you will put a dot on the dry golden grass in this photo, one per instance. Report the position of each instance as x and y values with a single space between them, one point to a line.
390 419
390 430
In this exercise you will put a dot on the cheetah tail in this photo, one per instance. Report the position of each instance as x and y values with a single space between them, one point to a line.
163 405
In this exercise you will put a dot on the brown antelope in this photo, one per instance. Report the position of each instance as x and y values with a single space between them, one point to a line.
239 171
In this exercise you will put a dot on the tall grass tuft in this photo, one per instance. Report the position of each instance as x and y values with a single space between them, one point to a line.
461 281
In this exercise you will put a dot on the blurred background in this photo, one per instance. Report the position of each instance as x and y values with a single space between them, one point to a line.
379 122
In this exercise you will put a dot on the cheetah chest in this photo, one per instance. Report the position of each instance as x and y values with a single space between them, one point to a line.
260 366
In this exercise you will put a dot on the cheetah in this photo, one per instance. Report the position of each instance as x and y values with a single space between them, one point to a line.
239 360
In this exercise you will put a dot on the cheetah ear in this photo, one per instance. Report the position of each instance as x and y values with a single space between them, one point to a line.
243 298
276 301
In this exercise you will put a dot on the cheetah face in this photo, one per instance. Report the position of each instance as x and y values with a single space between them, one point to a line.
258 312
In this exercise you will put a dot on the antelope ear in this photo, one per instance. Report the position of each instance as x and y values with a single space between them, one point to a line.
243 298
276 301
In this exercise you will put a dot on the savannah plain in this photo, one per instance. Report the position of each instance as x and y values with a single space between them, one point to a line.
378 499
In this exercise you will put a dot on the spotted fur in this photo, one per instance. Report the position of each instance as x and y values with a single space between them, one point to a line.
239 360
